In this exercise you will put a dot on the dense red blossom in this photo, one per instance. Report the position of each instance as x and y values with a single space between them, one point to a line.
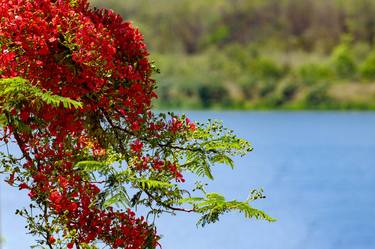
95 57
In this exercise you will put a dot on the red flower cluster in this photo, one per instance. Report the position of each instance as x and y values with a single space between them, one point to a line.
76 52
94 57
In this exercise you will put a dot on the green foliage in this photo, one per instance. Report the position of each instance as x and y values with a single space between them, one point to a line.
220 143
343 61
311 74
265 68
288 91
238 54
124 186
210 144
367 68
212 205
8 163
196 25
90 166
219 35
284 94
209 95
317 96
16 90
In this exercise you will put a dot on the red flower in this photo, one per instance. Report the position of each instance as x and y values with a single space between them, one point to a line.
11 179
94 57
193 127
63 182
55 197
136 146
9 56
23 186
32 194
51 240
135 126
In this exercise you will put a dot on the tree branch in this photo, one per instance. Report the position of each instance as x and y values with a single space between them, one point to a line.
167 206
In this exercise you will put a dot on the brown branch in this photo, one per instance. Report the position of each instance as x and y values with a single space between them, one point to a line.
113 126
167 206
48 234
166 145
21 145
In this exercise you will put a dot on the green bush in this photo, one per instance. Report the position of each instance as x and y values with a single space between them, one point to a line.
367 68
313 73
266 88
317 96
287 91
343 61
213 95
248 86
266 68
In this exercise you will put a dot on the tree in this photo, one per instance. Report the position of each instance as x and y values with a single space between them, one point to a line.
75 96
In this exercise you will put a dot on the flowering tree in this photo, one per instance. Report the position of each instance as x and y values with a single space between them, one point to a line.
75 97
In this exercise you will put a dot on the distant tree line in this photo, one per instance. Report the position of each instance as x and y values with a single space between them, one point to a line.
192 25
259 53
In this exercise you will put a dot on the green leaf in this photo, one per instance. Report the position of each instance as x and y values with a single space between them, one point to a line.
3 120
221 158
151 184
18 89
214 204
91 165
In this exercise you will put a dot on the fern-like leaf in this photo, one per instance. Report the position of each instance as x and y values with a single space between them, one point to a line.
150 184
18 89
214 204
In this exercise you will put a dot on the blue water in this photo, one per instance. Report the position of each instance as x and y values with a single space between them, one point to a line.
318 173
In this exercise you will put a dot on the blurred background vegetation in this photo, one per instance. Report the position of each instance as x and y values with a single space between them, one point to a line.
258 54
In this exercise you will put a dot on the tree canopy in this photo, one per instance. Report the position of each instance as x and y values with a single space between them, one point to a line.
75 96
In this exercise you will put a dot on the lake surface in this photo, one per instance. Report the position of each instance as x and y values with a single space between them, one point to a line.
318 173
